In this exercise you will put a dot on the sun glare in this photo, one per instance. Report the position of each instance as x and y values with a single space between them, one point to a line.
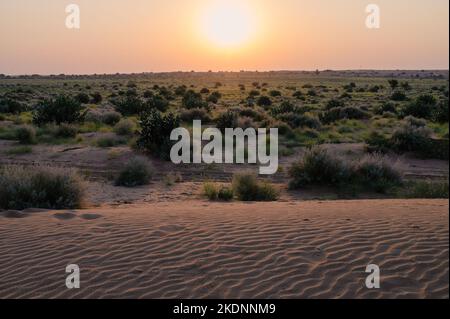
228 24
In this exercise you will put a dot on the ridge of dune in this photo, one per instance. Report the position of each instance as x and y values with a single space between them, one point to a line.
198 249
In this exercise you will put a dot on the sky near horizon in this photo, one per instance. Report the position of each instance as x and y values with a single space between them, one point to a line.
230 35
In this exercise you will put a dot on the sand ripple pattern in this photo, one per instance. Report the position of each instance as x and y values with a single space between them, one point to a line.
203 250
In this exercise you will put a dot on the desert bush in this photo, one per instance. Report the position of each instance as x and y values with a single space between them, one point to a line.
334 103
210 191
155 132
274 93
82 98
248 188
225 194
377 173
192 100
398 96
264 101
385 107
322 168
253 93
214 97
26 134
124 127
319 167
137 172
298 95
440 113
285 107
377 142
194 114
180 90
65 130
96 98
8 105
410 138
147 94
423 107
228 119
111 117
63 109
300 120
157 102
340 113
426 189
40 187
109 140
254 114
129 105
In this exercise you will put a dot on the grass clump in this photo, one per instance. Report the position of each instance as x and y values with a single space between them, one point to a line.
322 168
26 134
218 193
137 172
124 127
425 189
248 188
40 187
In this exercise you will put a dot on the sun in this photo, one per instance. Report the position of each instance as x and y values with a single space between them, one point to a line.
228 23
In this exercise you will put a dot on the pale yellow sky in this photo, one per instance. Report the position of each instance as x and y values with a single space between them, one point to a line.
171 35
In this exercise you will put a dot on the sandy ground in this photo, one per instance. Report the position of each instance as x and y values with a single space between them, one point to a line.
237 250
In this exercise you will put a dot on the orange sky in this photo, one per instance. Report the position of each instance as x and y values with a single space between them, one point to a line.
171 35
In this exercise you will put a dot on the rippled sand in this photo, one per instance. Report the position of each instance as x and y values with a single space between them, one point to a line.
198 249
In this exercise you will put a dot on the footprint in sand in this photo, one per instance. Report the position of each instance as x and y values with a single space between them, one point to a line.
14 214
64 216
91 216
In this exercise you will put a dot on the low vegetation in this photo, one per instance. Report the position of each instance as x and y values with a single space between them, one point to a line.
40 187
137 172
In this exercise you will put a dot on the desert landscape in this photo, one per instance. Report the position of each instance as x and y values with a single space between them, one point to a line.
238 150
140 226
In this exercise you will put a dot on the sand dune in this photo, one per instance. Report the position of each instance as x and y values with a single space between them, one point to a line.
204 250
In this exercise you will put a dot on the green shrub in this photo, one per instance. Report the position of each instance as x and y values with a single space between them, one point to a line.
40 187
214 97
440 113
66 131
264 101
26 134
386 107
225 194
63 109
192 100
398 96
137 172
8 105
376 173
210 191
155 132
340 113
109 140
194 114
111 117
274 93
228 119
157 102
129 105
124 127
426 189
96 98
422 107
82 98
300 120
318 167
247 188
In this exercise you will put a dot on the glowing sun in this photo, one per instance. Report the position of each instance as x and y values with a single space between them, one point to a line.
228 23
